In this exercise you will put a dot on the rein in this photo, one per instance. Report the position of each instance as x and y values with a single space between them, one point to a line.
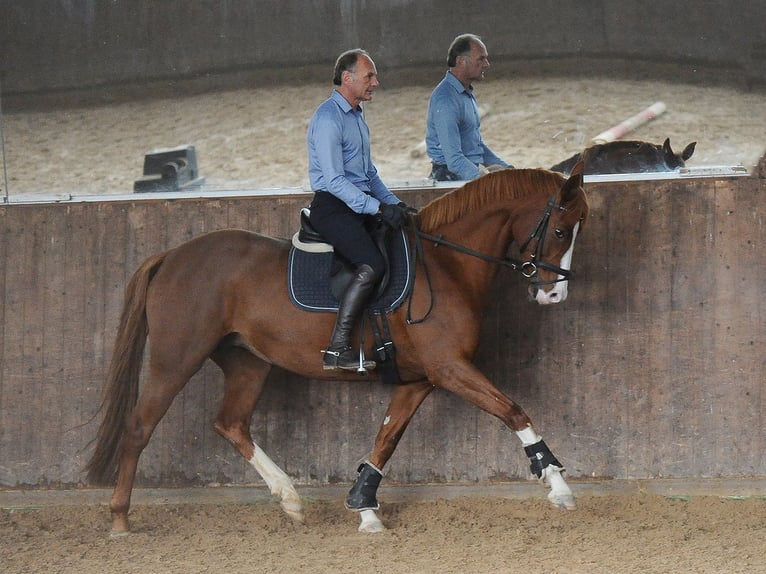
527 268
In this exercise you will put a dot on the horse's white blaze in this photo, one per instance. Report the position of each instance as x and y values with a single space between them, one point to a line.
558 292
278 482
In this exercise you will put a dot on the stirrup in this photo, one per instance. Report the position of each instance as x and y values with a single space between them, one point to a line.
344 359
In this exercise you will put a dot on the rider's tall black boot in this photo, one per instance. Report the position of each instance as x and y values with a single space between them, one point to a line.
339 354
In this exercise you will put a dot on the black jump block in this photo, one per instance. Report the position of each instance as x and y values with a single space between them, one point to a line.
169 169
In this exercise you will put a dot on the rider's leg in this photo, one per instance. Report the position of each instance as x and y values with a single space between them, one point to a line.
339 353
347 232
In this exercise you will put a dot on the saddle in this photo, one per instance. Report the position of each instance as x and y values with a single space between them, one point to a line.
317 278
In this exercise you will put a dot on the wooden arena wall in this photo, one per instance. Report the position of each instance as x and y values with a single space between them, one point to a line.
654 367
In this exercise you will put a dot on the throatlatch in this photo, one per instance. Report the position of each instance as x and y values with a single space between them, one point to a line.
540 457
362 495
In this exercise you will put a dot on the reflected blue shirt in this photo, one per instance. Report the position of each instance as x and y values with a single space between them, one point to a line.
453 130
338 142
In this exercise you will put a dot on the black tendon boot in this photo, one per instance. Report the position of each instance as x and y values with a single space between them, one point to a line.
339 354
362 495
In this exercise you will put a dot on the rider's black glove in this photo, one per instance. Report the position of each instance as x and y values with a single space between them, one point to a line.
406 208
394 215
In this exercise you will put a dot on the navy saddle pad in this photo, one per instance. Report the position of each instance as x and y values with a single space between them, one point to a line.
309 278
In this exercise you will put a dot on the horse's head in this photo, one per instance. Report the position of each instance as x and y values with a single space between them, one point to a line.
539 210
632 156
676 160
547 238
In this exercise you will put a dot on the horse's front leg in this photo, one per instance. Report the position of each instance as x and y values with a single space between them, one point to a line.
466 381
362 497
547 468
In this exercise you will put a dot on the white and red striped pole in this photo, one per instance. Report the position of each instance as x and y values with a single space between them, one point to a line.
616 132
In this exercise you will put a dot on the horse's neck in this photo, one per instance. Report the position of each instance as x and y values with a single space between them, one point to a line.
486 233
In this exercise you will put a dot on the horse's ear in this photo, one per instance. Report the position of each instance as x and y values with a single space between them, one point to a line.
569 190
578 169
688 151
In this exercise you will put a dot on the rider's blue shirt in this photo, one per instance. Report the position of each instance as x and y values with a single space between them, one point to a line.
339 156
453 130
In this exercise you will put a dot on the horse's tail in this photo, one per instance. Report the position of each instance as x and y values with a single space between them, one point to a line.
121 385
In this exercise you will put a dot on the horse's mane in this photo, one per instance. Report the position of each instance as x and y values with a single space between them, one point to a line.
490 189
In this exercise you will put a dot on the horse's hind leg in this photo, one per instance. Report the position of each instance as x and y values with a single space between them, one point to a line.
152 404
362 498
245 376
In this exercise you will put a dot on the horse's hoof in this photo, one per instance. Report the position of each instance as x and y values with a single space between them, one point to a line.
372 528
293 510
371 524
120 525
563 501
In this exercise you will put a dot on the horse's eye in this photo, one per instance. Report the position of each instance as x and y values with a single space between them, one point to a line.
560 233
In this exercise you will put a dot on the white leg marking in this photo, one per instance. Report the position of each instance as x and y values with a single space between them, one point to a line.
558 292
560 494
278 482
528 436
370 522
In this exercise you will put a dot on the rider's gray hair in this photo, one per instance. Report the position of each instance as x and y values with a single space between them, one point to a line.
346 62
461 46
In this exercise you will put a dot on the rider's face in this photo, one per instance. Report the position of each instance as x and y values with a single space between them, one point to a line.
475 63
360 85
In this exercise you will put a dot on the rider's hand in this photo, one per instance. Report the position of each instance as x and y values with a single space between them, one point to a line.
406 208
392 214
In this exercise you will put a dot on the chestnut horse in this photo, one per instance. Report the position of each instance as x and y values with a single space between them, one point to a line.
223 296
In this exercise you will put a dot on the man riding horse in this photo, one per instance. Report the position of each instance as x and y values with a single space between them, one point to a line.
348 192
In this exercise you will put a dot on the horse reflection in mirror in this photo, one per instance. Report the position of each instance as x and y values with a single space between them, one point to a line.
628 156
223 296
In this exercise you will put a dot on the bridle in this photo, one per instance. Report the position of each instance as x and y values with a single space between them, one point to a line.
538 236
527 268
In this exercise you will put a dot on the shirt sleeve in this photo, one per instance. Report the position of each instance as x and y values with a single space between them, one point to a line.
490 158
380 190
446 119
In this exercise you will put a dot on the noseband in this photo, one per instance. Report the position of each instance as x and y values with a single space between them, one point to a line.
538 236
